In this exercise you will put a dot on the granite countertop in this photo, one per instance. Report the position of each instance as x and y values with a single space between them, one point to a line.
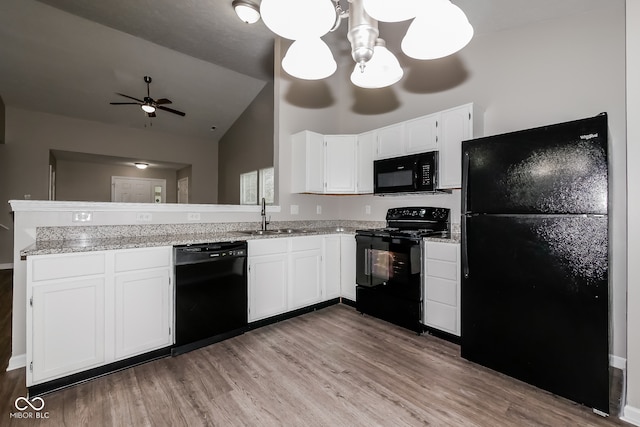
87 242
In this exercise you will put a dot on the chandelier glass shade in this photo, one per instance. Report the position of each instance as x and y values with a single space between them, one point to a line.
382 70
297 19
392 11
439 28
309 59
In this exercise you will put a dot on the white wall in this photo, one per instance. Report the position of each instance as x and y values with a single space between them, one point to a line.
632 408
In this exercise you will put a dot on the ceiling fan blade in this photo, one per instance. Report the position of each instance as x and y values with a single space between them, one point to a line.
124 103
171 110
130 97
163 101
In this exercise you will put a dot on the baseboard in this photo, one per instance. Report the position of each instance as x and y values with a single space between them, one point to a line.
7 266
618 362
17 362
631 415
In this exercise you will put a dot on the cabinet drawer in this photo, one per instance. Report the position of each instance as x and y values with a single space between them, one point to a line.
442 290
442 317
59 267
442 269
141 259
268 246
306 243
443 251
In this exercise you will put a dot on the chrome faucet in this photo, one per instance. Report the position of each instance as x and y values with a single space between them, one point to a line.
263 212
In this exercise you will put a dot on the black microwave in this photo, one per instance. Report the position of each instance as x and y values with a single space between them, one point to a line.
406 174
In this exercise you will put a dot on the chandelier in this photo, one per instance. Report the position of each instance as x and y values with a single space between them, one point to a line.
439 28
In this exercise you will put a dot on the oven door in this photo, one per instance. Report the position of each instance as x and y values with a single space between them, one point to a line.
389 262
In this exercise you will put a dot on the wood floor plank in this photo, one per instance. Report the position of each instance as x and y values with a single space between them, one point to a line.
331 367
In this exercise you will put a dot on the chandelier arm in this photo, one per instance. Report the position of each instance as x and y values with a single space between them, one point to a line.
340 15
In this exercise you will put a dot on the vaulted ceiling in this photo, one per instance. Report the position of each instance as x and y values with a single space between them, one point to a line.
70 57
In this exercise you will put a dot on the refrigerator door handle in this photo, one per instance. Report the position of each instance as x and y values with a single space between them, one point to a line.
465 181
463 248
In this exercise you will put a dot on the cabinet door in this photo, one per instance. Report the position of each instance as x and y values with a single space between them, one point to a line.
390 141
421 135
68 327
307 162
331 268
364 167
442 286
267 286
348 267
306 278
142 312
340 163
455 128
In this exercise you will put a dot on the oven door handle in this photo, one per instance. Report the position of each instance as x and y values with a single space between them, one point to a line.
367 262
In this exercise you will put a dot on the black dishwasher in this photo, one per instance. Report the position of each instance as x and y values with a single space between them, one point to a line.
211 293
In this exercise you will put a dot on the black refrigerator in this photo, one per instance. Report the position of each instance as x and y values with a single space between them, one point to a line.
535 257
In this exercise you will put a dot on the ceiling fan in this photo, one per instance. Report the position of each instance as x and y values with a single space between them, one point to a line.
148 104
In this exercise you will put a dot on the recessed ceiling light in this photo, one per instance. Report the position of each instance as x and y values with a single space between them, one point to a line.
247 11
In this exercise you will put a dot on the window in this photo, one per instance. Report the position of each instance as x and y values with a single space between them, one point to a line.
255 185
249 188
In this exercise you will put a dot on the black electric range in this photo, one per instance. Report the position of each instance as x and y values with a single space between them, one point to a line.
389 264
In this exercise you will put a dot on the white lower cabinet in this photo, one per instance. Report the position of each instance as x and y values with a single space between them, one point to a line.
91 309
332 255
348 266
67 328
305 270
288 273
441 274
268 271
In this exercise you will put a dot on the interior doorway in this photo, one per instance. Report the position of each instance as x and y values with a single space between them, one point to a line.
138 190
183 190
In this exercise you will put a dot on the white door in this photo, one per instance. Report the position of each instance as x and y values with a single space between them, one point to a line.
331 260
340 163
137 190
348 266
183 190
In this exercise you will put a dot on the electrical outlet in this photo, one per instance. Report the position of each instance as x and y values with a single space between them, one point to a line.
294 210
82 217
143 216
319 209
193 216
367 209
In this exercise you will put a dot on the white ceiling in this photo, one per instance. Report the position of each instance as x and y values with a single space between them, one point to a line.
55 58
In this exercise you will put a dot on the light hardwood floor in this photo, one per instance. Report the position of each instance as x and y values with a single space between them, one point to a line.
331 367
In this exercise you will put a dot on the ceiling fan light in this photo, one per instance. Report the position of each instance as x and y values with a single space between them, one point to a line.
148 108
294 19
309 59
440 29
388 11
382 70
247 11
141 165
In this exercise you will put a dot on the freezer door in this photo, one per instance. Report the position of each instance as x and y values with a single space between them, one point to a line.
535 302
553 169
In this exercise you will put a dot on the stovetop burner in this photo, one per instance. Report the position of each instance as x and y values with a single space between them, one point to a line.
414 223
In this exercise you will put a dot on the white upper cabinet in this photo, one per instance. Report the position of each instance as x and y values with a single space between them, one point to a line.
421 134
331 164
390 141
340 163
307 156
364 170
456 125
